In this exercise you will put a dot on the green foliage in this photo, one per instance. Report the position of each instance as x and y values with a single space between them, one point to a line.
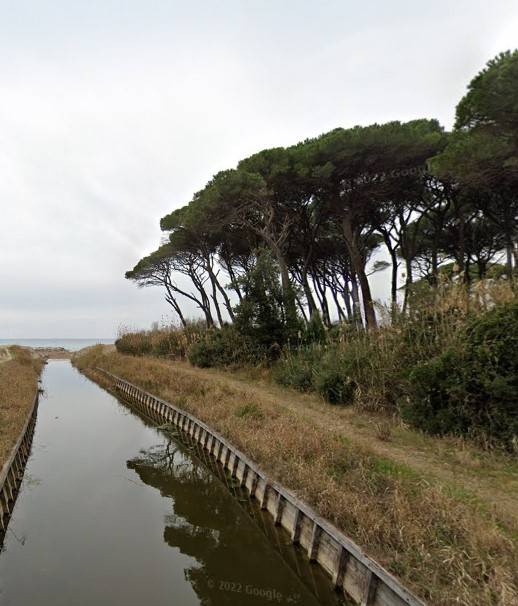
314 331
294 228
134 344
389 468
471 389
260 330
224 347
262 314
168 342
450 367
325 371
295 369
333 383
491 97
250 410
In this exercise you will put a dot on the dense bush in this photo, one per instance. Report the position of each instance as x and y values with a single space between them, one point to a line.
296 369
319 369
225 347
449 366
471 388
134 343
333 383
169 341
264 315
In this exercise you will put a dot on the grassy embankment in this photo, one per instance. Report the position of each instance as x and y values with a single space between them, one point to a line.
19 372
437 512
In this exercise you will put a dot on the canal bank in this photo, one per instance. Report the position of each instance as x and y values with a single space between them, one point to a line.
19 373
352 572
114 511
407 501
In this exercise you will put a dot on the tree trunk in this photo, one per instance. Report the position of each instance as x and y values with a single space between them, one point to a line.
481 269
171 299
355 295
393 281
435 266
287 289
321 296
234 284
408 283
223 292
341 315
312 307
509 259
351 240
301 308
214 296
204 304
174 304
347 301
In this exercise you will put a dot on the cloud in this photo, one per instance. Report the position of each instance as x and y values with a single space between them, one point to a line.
112 114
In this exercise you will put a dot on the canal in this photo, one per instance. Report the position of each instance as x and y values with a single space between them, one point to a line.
113 510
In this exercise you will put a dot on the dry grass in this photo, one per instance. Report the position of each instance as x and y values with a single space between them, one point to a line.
18 383
438 540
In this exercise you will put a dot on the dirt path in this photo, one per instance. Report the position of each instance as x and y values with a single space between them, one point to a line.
489 480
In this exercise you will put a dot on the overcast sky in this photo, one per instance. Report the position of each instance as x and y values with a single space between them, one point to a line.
112 113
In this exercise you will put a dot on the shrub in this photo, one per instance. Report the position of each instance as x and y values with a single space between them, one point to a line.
134 343
169 341
332 382
314 331
471 388
317 369
296 370
224 347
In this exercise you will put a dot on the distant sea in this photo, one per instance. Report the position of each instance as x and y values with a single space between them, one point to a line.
70 344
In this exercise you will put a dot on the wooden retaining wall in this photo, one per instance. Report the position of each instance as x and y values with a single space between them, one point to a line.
351 571
12 471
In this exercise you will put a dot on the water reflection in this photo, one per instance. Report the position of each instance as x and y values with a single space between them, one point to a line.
123 514
235 562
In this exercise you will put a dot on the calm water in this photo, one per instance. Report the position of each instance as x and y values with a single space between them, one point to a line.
70 344
114 511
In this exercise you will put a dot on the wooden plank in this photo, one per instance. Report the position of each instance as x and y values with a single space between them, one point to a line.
341 565
369 593
235 464
264 497
253 486
295 532
227 457
315 541
244 476
279 507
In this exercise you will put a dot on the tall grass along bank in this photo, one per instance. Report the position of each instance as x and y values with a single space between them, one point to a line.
449 366
19 372
448 543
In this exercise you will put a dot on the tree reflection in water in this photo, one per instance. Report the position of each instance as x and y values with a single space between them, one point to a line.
236 563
